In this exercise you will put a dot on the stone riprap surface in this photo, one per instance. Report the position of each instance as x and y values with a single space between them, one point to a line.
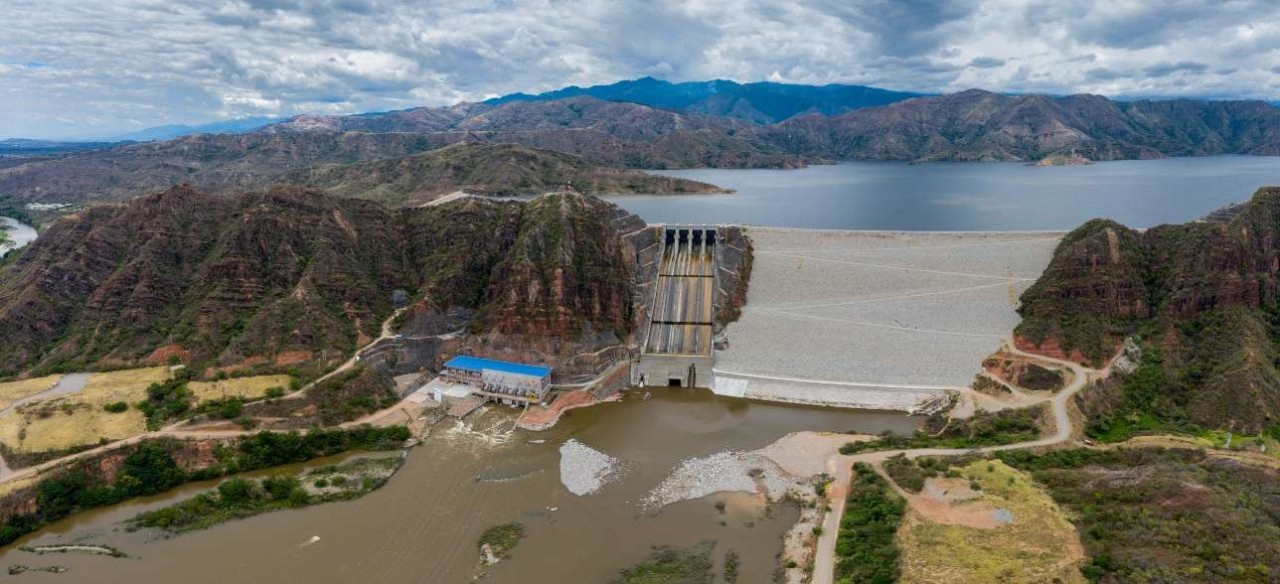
584 470
875 319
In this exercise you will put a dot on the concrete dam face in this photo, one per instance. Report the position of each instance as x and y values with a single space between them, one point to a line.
678 343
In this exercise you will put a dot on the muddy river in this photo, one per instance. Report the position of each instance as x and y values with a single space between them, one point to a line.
423 525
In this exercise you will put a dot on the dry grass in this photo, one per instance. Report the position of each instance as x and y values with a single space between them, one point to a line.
242 387
1039 546
78 420
15 390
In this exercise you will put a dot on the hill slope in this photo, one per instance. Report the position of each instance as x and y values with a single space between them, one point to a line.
227 163
291 275
484 169
726 129
980 125
1204 299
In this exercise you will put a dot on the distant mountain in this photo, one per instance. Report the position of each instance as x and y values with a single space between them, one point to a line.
28 147
171 131
968 126
290 275
761 103
483 169
620 135
980 125
226 163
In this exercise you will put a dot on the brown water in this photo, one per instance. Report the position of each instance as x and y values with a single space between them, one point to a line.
422 526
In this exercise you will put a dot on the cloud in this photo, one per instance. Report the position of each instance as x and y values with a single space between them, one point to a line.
1166 69
986 62
97 67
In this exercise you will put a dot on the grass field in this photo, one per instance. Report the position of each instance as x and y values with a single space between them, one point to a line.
247 388
77 420
15 390
1039 545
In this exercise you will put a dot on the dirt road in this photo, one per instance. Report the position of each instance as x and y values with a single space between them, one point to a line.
75 383
841 466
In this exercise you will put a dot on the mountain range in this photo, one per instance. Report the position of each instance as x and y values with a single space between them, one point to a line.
289 275
650 124
171 131
762 103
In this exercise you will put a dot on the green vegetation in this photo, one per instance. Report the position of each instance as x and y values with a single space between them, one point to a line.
983 429
668 565
150 468
167 400
116 407
501 539
1155 515
865 550
1203 301
238 498
905 473
731 562
1038 378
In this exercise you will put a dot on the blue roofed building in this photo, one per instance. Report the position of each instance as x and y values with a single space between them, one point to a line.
502 381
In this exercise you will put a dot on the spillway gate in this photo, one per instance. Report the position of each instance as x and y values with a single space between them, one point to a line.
678 340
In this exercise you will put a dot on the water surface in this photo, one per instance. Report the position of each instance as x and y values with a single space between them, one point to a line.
423 525
964 196
20 234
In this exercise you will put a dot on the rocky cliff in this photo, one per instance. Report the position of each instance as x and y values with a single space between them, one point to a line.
293 275
1203 297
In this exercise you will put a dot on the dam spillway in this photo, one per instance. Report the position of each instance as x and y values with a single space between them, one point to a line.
681 322
678 338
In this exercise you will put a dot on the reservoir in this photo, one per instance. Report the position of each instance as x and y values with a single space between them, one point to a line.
423 525
19 233
968 196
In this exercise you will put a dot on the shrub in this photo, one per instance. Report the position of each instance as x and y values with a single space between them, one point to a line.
230 409
235 491
116 407
275 392
865 549
905 472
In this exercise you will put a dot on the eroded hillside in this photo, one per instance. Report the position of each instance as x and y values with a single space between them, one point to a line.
295 276
1202 297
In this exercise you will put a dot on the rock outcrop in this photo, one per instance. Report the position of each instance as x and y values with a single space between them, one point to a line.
1203 297
295 273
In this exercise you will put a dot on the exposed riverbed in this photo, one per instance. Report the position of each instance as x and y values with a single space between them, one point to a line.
423 525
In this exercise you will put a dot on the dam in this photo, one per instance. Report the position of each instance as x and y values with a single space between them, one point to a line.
677 345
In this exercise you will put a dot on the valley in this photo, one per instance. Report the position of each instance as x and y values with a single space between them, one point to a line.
881 371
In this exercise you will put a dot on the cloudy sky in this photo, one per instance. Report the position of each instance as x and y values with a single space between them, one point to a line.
78 68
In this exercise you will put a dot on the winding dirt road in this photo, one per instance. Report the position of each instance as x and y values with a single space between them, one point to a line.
841 466
171 431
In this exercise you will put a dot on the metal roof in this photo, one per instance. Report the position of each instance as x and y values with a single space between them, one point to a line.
469 363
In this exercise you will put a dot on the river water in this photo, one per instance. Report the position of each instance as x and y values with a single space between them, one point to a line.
20 233
423 526
964 196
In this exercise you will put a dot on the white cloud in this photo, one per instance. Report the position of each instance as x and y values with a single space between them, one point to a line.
111 66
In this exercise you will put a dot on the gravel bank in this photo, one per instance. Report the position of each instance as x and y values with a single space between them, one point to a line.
584 470
750 472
